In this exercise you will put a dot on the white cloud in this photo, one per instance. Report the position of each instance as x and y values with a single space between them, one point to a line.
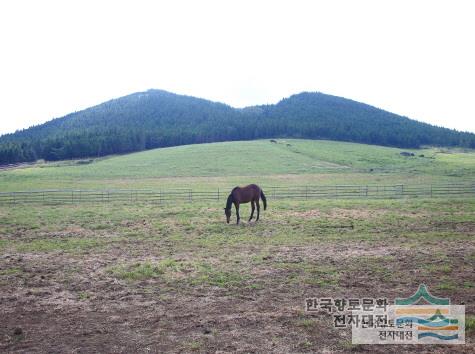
411 57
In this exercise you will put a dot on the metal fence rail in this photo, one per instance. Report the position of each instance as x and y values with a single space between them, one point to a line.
273 193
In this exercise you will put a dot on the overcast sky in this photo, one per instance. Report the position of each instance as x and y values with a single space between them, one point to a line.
414 58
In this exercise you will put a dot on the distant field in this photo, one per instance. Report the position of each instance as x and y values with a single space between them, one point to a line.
287 162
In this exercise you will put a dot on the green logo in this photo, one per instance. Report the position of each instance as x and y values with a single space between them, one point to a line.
422 293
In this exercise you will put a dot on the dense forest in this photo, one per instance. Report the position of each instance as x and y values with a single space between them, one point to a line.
156 118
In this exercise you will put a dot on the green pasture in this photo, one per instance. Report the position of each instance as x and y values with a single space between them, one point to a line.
287 162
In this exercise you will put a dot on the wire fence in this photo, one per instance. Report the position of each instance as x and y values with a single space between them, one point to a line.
272 193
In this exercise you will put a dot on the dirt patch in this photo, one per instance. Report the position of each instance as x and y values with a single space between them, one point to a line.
337 213
79 305
333 250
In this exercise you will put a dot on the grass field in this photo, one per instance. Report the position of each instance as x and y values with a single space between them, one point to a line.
224 165
123 277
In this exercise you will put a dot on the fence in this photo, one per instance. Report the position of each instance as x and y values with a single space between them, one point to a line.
272 193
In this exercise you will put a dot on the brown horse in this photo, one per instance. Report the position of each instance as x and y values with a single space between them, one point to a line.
239 195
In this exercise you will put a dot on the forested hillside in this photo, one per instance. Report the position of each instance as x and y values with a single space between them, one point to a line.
156 118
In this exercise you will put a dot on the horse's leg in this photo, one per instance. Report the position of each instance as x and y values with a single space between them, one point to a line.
237 212
258 209
253 206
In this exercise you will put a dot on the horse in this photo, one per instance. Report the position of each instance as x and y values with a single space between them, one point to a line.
239 195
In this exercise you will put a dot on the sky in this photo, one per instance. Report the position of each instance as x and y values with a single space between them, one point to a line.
415 58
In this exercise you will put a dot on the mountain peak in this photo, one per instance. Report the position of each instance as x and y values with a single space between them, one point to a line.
157 118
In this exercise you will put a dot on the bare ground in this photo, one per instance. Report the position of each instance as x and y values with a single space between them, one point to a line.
61 301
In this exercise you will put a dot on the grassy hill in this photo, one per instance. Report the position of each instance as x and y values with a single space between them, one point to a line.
286 162
157 119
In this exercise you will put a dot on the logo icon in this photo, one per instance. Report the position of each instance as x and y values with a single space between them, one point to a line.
436 320
421 318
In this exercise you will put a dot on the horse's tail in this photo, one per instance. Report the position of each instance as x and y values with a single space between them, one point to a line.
264 199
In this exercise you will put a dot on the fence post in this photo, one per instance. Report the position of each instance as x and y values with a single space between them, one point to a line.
431 190
190 195
306 192
72 197
273 192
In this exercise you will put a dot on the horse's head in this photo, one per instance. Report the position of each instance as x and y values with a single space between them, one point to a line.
227 212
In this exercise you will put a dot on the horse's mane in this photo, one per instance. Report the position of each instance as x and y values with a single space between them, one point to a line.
230 200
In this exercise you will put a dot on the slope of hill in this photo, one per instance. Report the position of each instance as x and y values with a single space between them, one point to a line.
226 164
156 118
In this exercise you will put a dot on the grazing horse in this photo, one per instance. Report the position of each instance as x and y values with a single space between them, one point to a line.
250 193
